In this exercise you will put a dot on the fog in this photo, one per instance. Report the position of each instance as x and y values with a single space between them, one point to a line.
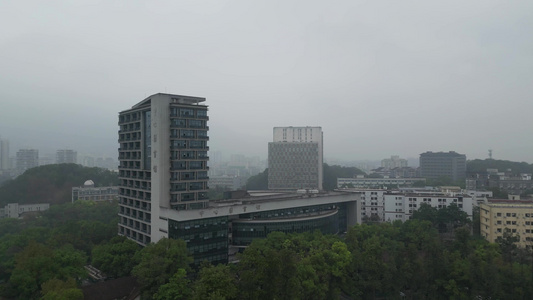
380 77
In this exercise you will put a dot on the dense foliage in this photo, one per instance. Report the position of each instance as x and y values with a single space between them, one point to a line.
408 260
481 166
52 183
432 256
44 256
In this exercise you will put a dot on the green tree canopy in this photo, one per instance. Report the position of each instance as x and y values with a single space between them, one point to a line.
116 258
159 262
215 282
178 288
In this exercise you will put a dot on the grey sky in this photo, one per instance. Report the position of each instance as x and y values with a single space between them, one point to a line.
380 77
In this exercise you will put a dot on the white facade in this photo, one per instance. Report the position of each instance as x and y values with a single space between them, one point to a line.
479 197
400 206
373 203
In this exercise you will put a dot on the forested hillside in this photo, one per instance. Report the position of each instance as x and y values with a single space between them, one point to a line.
52 183
481 166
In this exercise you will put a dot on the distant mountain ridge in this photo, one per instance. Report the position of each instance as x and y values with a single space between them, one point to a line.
52 183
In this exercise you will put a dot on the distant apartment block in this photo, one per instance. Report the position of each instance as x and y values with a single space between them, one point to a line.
226 182
15 210
295 158
508 181
451 164
5 161
27 159
376 182
89 192
394 162
66 156
512 216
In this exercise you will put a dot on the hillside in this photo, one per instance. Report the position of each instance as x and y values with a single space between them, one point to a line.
52 183
481 166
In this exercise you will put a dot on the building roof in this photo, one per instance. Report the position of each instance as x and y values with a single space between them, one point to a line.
507 201
179 98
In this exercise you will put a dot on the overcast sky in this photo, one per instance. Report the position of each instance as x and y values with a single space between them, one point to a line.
380 77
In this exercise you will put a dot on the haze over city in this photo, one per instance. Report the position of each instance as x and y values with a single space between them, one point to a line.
380 78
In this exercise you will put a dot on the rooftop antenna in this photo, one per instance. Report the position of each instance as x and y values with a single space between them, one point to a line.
490 153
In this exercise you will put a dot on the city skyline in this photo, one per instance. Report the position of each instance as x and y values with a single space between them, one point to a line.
380 79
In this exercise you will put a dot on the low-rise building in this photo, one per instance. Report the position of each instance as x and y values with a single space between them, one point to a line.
507 181
89 192
15 210
400 206
360 182
513 216
372 204
385 205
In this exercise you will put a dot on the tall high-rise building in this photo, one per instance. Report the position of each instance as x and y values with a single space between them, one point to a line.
4 155
443 164
163 163
295 158
163 187
27 159
66 156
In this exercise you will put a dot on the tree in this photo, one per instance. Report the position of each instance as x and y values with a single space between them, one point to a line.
476 221
159 262
38 263
215 282
508 243
116 258
445 219
55 289
293 266
331 173
178 288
